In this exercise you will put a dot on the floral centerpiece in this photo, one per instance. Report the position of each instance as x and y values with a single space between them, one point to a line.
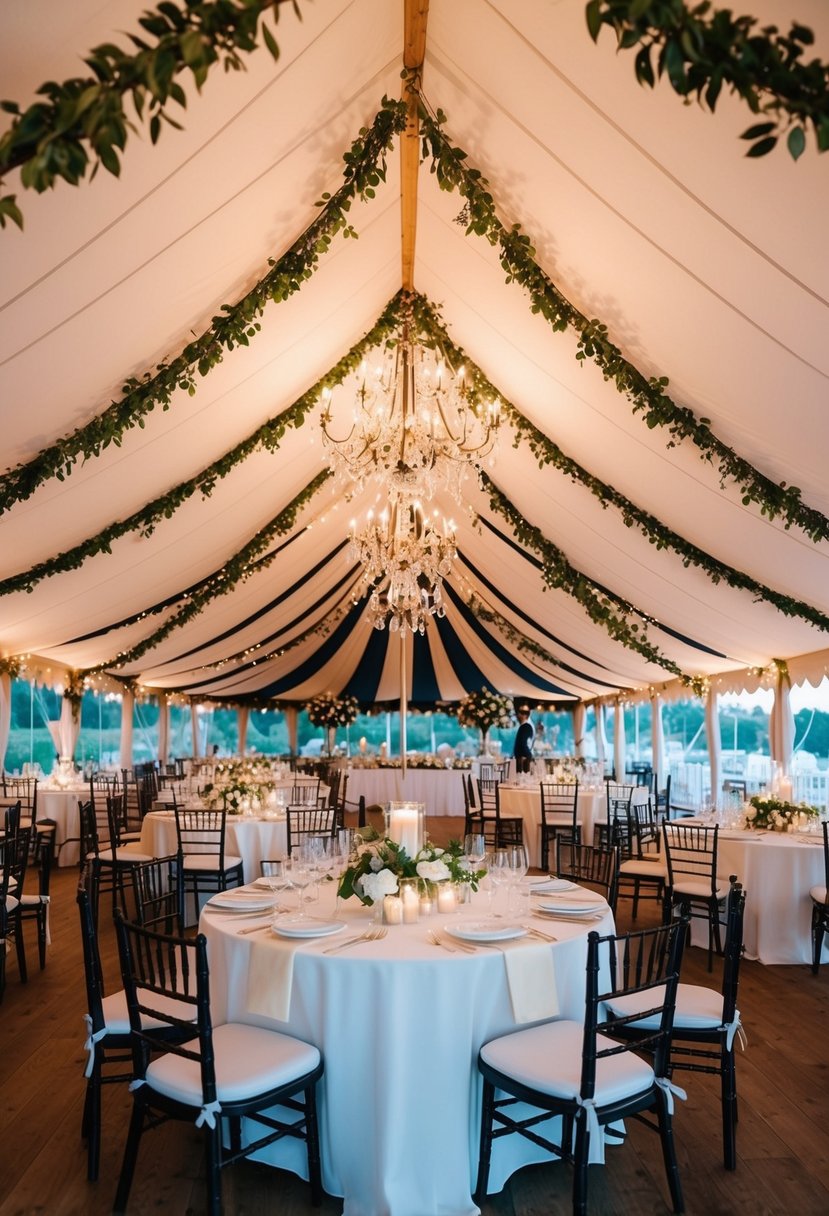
330 711
378 865
235 796
774 815
485 709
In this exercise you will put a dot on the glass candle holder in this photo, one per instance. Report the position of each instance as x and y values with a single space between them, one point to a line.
404 825
410 898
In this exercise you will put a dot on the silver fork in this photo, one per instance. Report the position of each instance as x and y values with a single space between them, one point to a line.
371 935
437 940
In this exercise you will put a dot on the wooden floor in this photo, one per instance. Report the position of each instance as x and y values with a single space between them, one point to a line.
783 1134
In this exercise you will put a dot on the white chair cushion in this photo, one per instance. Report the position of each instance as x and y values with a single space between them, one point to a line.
30 901
548 1058
11 903
645 869
117 1018
818 894
696 1008
249 1061
126 854
701 889
209 861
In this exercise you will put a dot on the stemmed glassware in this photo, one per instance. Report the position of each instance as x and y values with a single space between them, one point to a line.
499 873
277 873
518 864
302 875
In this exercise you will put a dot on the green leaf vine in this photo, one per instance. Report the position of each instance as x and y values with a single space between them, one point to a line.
266 437
85 119
623 621
481 391
776 500
242 565
365 167
701 49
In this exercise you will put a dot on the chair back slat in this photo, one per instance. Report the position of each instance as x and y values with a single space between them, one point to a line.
304 821
691 854
595 866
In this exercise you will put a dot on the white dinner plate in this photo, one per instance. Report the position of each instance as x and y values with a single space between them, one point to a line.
264 883
568 908
243 901
484 931
553 886
308 928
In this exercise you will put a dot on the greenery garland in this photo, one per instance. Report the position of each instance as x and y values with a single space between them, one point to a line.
221 581
701 49
235 326
481 391
266 437
648 396
53 138
604 608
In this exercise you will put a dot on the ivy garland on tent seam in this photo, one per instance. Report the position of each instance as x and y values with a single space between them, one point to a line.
648 396
481 390
235 326
700 49
267 437
49 140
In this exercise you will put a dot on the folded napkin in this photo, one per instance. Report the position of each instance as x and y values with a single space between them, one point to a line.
531 979
271 976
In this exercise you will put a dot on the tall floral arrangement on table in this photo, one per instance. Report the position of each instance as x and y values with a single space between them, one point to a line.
485 709
330 712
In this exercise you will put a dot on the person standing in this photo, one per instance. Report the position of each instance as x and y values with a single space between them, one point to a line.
522 748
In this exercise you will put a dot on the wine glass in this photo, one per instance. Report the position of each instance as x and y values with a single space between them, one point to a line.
302 875
518 864
474 849
277 875
499 872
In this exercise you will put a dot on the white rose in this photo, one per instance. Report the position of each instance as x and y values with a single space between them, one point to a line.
376 886
434 871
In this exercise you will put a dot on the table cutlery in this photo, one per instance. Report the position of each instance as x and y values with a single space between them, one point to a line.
253 929
435 940
371 935
531 929
567 920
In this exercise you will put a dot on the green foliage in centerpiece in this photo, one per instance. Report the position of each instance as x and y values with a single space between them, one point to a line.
774 815
380 863
485 709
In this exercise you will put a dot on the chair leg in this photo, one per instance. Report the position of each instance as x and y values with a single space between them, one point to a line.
41 935
487 1112
91 1122
130 1155
817 935
581 1153
213 1169
728 1077
666 1136
312 1142
20 950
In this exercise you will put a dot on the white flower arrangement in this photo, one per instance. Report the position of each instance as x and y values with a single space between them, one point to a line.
774 815
485 709
378 865
329 710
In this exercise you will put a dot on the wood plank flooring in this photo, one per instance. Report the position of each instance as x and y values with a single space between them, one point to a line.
782 1139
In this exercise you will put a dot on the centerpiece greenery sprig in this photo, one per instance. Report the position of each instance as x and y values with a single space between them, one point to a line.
329 710
775 815
379 864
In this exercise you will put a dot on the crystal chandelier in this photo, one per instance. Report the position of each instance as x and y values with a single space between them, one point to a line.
405 557
414 428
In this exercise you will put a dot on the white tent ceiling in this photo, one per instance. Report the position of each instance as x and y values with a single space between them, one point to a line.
708 268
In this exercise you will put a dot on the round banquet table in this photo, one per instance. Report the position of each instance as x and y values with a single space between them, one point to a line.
399 1023
776 870
525 800
246 837
62 806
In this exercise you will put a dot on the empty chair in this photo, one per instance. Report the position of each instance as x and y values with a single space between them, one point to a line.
155 894
111 862
581 1071
710 1021
692 880
204 867
305 792
493 770
559 814
820 904
500 830
230 1072
616 828
14 856
662 798
589 865
304 821
34 906
644 868
473 820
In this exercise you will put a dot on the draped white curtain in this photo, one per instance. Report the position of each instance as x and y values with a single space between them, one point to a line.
781 724
127 708
657 738
163 729
579 714
5 715
292 723
712 731
65 730
242 719
601 738
619 741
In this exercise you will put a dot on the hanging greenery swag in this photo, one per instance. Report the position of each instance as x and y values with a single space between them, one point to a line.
481 391
235 326
266 437
648 396
623 621
54 138
700 49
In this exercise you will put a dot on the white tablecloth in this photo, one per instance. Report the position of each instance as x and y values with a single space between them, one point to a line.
776 871
440 790
250 839
399 1023
62 806
526 802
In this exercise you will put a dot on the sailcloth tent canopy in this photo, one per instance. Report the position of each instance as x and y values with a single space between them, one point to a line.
707 268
